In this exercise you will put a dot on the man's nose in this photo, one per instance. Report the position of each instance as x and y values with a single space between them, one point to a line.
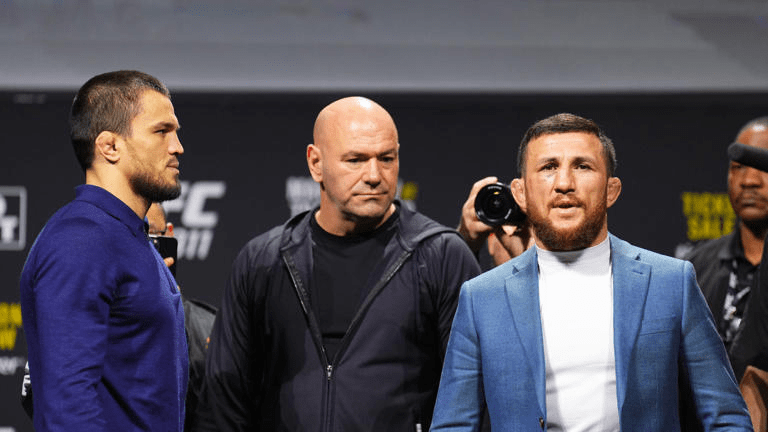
752 177
372 174
176 147
564 180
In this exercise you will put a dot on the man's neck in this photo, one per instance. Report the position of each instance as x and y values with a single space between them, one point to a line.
121 190
340 226
752 241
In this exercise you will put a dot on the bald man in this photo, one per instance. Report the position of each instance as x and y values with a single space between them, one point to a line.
338 320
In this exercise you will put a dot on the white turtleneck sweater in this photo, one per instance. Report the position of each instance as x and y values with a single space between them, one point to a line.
576 301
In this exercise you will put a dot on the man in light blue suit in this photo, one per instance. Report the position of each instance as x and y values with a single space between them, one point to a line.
583 332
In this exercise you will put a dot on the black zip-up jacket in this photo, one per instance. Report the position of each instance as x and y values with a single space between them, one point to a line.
267 369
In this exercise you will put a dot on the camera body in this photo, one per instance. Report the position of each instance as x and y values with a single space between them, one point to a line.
167 247
495 206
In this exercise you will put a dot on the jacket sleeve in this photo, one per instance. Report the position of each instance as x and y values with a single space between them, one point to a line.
460 402
712 387
233 364
452 265
70 304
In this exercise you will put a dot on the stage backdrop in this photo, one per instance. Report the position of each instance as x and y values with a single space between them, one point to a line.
244 171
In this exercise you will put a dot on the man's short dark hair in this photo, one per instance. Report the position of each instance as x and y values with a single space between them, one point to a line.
564 123
107 102
760 121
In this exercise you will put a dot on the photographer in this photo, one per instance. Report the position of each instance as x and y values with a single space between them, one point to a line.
504 241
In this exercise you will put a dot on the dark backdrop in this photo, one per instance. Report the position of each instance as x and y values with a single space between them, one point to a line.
242 148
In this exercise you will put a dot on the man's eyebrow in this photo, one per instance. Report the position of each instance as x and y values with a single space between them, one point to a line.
582 159
168 125
355 153
545 160
352 153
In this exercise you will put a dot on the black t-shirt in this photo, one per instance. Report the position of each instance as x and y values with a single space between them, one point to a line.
344 271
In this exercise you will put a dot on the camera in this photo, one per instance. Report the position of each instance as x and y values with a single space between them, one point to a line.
495 206
167 247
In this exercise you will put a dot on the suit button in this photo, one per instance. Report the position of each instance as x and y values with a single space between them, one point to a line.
541 423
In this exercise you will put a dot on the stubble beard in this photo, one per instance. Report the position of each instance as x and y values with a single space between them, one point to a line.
153 188
577 238
368 221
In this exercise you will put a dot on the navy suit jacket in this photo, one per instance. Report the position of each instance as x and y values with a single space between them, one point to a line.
665 343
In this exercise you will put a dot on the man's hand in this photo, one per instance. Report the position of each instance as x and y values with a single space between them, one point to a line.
472 229
504 241
509 241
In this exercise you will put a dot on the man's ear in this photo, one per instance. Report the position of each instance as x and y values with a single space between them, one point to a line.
614 190
107 146
518 192
315 162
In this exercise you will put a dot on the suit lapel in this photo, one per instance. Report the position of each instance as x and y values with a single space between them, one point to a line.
522 290
630 288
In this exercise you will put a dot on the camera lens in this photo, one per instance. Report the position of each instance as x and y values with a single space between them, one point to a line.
495 205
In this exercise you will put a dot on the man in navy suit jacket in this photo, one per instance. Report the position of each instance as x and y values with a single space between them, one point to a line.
583 332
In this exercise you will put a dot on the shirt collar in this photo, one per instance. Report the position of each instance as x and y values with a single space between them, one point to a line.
113 206
589 260
732 249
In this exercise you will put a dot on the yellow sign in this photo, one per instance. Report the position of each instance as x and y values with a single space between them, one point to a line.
409 191
10 321
709 215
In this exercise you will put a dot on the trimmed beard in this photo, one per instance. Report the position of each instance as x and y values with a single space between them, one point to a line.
577 238
152 188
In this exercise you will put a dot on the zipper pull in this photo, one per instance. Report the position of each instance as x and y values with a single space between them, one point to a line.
329 372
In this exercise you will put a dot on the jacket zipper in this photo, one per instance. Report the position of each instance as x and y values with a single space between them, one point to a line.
388 275
315 331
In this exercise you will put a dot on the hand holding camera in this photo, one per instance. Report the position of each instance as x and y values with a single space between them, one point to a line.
496 206
490 212
167 247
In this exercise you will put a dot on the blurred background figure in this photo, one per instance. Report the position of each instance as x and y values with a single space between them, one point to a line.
727 267
198 316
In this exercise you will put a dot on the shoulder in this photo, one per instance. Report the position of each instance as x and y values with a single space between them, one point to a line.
417 231
264 242
198 307
76 232
415 227
709 250
75 249
645 256
496 279
444 241
269 243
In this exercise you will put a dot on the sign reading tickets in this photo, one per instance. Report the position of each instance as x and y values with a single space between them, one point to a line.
10 322
708 215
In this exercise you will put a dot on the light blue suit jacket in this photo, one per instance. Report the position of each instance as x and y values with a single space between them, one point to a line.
664 342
